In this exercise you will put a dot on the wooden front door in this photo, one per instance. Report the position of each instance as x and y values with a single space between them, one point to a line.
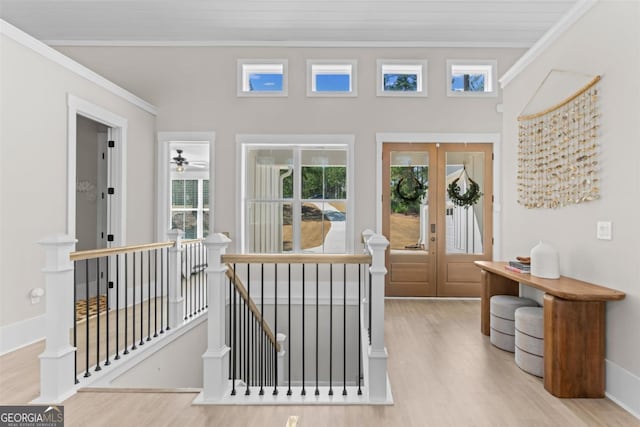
434 238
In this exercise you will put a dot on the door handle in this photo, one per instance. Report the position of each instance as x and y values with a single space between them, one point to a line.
433 239
433 228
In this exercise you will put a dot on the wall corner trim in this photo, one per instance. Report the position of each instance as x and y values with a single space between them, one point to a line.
53 55
562 26
622 387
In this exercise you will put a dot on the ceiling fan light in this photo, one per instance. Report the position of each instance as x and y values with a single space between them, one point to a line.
180 168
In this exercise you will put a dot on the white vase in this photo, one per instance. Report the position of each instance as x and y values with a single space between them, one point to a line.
544 261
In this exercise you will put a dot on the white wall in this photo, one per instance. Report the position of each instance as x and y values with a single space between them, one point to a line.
195 90
604 41
33 172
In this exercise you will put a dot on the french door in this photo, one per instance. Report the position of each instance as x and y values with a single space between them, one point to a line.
437 215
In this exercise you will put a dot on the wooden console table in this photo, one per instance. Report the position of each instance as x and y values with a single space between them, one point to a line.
574 327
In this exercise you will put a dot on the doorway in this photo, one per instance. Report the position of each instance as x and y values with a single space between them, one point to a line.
437 216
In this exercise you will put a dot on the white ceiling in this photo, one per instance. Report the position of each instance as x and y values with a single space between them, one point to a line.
477 23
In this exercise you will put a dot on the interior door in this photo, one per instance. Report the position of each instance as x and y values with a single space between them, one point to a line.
434 236
409 210
464 222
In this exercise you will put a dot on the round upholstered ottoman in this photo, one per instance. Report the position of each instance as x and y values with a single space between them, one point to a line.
529 322
502 319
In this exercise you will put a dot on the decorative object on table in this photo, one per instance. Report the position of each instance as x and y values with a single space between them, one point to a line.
518 267
544 261
470 196
558 146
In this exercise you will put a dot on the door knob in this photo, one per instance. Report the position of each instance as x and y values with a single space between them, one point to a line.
433 239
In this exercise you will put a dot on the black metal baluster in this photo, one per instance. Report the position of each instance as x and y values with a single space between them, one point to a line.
344 331
201 276
262 330
126 303
184 282
229 317
317 392
141 299
289 327
98 274
168 281
248 326
106 311
75 323
275 328
162 292
369 300
86 344
148 296
359 355
304 391
192 281
133 303
155 292
232 293
117 307
206 265
330 328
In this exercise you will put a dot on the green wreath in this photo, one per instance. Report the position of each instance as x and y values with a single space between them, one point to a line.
469 198
418 190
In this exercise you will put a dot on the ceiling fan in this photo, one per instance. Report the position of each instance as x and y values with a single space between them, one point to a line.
181 162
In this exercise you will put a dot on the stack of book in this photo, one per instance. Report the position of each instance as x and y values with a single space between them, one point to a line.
518 267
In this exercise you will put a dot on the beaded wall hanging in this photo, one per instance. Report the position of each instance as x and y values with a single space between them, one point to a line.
558 152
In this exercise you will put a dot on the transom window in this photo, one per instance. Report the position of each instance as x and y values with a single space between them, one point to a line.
401 77
331 78
190 207
471 78
262 77
296 198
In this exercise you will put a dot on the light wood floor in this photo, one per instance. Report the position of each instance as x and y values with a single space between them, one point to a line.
443 372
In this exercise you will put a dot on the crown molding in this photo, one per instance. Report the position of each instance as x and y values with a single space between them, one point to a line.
53 55
550 37
285 43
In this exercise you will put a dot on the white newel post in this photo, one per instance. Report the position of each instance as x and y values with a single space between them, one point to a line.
215 359
377 350
366 235
57 379
176 299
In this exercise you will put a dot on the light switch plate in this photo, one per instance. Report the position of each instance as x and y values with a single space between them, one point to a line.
604 230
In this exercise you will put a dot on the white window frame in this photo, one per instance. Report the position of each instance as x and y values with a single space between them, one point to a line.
199 209
421 66
246 65
305 141
490 66
326 66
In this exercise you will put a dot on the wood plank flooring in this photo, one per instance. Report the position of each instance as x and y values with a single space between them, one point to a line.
443 372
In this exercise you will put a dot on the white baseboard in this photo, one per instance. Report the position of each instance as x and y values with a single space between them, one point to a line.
623 388
22 333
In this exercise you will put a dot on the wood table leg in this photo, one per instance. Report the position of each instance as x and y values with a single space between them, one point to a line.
490 285
574 347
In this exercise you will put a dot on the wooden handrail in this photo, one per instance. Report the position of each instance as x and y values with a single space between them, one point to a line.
296 259
252 306
99 253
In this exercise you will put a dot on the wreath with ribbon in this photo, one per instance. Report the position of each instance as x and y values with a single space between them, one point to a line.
418 190
469 198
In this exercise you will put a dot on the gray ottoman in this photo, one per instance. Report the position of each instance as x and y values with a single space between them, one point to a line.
530 340
502 319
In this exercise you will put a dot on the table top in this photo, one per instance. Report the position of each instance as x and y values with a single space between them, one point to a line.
564 287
